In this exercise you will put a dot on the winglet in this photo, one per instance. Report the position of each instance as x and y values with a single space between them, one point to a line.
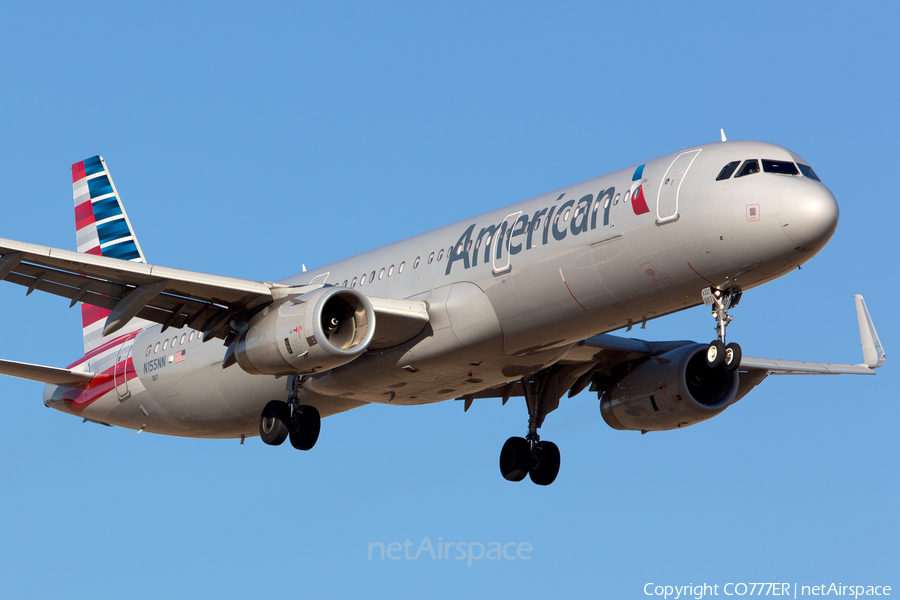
722 133
873 353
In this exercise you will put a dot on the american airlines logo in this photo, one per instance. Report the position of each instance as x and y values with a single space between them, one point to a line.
552 223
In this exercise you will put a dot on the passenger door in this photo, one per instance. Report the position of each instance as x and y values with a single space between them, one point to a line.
120 371
667 199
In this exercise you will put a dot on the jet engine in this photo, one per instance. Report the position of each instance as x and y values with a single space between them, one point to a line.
673 390
320 330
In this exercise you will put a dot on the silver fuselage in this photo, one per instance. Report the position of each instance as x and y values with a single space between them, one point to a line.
508 292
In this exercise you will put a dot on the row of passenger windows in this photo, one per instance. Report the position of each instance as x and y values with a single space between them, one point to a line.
175 341
751 167
389 271
564 216
380 274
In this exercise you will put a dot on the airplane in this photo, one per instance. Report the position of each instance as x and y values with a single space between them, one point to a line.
516 302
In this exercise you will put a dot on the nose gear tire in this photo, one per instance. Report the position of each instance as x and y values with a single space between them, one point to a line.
715 354
733 356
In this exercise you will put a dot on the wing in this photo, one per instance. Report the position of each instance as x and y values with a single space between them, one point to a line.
171 297
602 360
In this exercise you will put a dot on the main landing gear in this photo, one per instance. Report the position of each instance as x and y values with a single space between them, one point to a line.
280 420
718 354
529 455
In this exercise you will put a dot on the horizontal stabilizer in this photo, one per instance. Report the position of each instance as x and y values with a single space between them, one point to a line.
66 377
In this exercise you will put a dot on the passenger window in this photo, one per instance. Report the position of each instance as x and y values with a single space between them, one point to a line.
381 273
440 255
156 348
191 337
627 197
808 172
750 167
391 271
728 170
372 277
165 344
362 280
183 337
431 258
416 264
149 348
782 167
344 284
400 269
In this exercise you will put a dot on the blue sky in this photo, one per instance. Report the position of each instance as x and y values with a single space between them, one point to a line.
246 140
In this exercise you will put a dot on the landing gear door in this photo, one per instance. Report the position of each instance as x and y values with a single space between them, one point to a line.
670 186
500 255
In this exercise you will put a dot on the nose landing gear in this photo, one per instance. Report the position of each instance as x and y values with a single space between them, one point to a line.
719 354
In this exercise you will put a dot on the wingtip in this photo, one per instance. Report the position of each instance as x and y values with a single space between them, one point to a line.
873 351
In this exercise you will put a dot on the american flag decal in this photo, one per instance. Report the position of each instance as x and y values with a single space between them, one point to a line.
179 356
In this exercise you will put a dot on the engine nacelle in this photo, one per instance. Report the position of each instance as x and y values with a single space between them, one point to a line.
663 395
321 330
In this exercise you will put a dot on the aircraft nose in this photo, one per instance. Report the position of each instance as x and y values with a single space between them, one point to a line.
809 214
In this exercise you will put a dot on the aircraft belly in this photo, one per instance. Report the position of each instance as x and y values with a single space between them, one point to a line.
190 394
409 378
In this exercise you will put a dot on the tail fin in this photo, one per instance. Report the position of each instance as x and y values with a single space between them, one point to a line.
101 228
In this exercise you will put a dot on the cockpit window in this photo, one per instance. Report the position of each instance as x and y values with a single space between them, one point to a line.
749 167
727 170
782 167
808 172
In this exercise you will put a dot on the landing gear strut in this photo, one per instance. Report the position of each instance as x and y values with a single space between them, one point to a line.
280 420
529 455
718 354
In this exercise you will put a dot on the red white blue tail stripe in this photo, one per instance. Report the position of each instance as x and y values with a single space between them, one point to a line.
101 228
